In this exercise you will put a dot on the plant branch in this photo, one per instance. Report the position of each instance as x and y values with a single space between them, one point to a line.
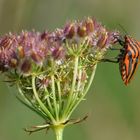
39 101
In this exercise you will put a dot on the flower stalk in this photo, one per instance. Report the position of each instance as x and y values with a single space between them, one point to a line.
42 106
76 103
59 132
70 98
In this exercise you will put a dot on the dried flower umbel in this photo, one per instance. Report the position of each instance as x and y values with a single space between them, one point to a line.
54 71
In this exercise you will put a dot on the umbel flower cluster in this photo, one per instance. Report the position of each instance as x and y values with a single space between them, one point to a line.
54 70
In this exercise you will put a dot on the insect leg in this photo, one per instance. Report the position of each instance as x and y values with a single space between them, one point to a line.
110 60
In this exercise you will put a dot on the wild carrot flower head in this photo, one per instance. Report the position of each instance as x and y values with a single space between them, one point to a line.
54 70
22 51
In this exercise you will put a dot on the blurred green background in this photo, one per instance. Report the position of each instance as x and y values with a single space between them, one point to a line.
114 109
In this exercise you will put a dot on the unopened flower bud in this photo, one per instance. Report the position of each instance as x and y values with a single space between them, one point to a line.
26 66
13 63
44 35
81 31
6 42
58 52
69 31
36 57
21 52
89 25
102 40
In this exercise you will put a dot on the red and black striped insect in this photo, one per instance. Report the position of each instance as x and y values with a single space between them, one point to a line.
128 58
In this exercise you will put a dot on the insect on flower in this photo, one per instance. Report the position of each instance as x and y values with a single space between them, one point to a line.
128 58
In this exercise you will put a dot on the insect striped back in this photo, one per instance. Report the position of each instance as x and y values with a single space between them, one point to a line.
129 58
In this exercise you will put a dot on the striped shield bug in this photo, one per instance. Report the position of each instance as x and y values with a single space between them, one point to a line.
128 58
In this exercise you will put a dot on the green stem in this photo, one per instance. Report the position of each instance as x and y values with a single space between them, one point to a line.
91 79
85 91
59 94
74 78
59 132
48 100
23 95
75 95
75 71
54 97
79 82
40 102
29 104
